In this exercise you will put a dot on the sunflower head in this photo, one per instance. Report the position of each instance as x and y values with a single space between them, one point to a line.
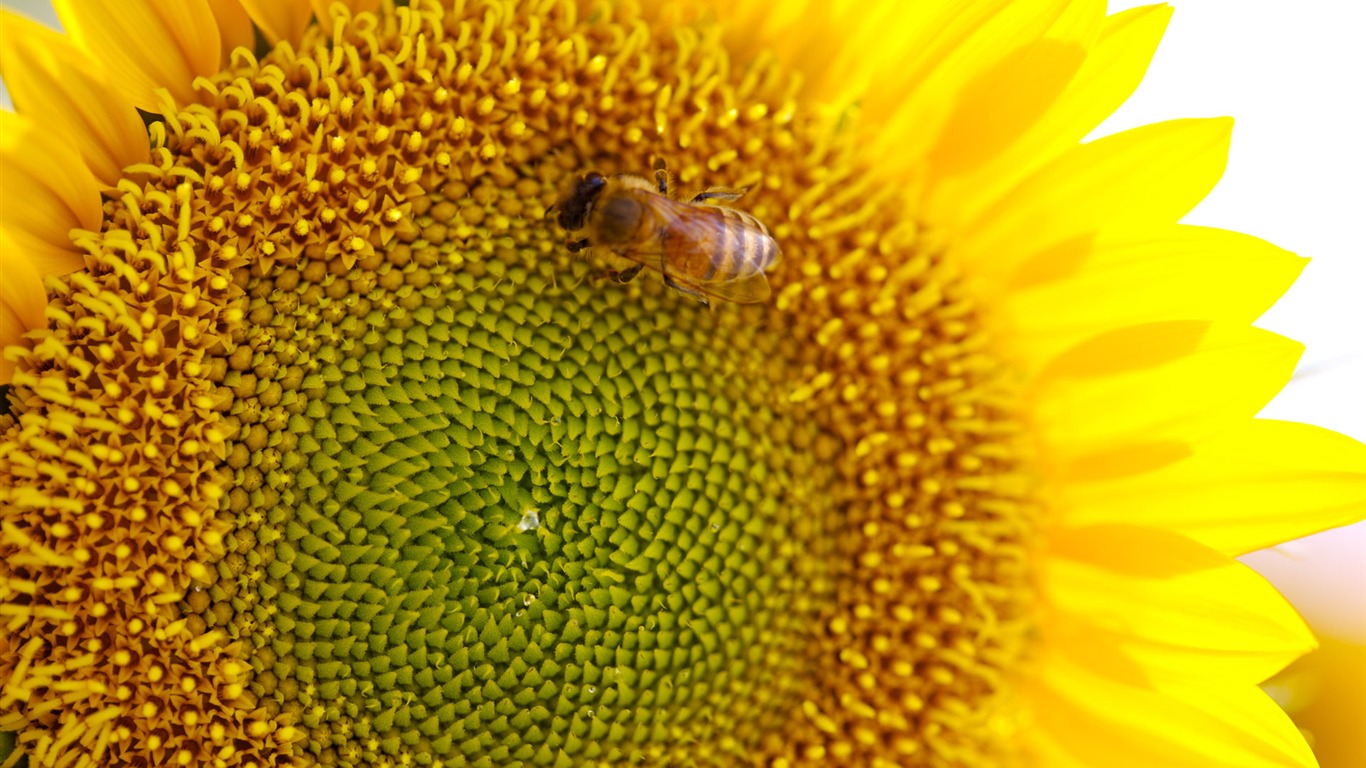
334 453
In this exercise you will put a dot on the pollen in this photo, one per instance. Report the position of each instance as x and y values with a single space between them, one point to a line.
363 467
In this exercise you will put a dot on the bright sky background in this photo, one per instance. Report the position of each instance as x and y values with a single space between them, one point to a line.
1294 77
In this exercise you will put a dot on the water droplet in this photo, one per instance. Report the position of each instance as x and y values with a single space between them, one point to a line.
592 689
715 527
528 599
531 519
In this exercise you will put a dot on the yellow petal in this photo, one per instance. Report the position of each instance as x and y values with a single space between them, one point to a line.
280 20
912 95
843 46
1081 288
1080 22
1176 380
1113 67
1099 721
146 45
1045 748
901 65
1169 606
1253 486
1147 176
55 85
48 192
22 301
1323 694
1001 103
234 28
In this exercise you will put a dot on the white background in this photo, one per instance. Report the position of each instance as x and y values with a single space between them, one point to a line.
1294 77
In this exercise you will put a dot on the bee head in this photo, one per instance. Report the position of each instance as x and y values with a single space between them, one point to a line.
578 203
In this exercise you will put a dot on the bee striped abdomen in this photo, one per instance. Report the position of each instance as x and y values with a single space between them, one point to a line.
742 247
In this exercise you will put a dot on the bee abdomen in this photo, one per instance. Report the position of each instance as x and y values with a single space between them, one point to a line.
744 246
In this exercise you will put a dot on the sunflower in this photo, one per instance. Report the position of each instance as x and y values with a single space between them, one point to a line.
1322 691
323 448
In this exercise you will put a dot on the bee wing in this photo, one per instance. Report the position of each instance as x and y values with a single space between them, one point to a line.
651 258
752 289
668 215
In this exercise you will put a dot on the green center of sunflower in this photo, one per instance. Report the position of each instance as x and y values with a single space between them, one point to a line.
479 508
514 514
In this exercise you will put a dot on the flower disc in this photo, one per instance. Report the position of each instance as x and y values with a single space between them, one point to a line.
515 519
464 503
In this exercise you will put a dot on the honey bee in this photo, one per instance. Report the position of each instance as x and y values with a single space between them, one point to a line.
703 250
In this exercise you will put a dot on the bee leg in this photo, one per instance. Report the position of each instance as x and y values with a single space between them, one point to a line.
575 246
620 277
627 275
662 176
669 281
